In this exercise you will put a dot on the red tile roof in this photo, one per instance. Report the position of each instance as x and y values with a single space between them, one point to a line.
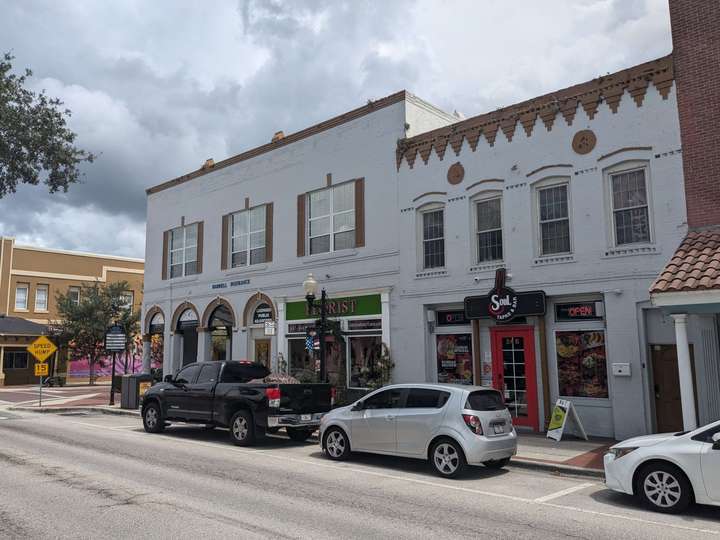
695 266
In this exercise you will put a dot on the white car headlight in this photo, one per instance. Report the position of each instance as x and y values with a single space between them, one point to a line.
620 452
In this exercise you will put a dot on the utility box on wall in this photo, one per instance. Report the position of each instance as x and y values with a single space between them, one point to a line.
621 370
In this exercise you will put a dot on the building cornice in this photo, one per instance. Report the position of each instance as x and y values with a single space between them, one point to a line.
80 254
609 89
371 107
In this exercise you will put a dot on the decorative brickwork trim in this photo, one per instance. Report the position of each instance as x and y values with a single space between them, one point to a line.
609 89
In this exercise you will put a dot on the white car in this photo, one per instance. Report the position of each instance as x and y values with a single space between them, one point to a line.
449 425
669 471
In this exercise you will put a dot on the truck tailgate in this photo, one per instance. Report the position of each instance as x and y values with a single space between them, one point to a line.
305 398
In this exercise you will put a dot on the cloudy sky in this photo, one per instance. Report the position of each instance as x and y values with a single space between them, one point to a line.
156 87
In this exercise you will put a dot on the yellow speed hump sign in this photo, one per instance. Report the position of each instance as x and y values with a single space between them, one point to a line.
42 348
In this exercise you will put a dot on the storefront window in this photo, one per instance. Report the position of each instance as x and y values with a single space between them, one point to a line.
301 361
365 352
304 364
454 358
582 364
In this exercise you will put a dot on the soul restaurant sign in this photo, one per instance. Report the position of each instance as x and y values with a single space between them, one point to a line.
503 303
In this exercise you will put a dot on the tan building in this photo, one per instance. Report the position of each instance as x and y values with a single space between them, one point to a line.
31 278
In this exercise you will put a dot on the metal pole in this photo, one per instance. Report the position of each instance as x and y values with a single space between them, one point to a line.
323 373
40 405
112 381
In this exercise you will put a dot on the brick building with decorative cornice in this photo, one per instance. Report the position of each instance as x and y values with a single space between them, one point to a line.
688 288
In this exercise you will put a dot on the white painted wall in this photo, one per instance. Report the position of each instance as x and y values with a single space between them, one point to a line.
589 270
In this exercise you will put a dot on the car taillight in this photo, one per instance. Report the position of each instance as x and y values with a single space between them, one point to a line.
273 395
473 423
333 393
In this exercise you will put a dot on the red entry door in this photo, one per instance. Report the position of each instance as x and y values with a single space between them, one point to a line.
513 355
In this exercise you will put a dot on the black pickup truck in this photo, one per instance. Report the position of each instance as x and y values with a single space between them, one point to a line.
220 394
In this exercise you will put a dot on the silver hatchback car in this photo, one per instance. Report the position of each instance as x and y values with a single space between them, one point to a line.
450 425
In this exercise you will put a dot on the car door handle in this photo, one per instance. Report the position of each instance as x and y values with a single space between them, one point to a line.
389 417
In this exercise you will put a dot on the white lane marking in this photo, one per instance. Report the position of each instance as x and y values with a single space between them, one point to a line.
416 480
562 493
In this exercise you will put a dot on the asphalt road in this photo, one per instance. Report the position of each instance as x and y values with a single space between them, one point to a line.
83 476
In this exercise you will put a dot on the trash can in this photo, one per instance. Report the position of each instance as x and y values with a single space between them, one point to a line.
133 388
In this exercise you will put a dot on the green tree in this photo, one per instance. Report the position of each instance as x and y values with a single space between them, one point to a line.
35 142
83 325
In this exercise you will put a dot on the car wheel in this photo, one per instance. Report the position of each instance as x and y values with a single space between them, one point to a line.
298 434
664 488
336 444
447 458
242 430
152 419
497 463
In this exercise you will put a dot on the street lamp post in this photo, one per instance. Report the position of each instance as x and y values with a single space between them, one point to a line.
310 285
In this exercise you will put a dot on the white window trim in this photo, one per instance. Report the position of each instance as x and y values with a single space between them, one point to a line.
39 287
232 237
482 197
183 250
331 215
131 294
608 173
25 286
74 288
536 188
420 240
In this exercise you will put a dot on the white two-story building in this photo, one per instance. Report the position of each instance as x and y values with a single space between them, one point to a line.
229 245
402 212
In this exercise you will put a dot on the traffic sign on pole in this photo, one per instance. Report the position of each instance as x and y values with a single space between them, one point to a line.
115 339
42 370
42 348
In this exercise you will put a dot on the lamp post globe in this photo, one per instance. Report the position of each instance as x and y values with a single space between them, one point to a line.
310 286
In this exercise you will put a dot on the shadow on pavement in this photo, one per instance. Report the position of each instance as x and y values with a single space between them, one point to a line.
621 500
388 464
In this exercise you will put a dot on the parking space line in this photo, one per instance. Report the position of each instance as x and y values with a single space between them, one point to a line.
563 492
542 501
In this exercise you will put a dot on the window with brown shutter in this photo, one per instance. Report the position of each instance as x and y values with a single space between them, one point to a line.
200 247
269 232
165 252
184 251
360 212
301 225
224 242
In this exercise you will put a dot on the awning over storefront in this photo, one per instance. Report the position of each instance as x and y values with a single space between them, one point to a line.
689 284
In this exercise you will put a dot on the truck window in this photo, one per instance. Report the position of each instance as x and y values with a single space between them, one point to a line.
188 374
235 372
208 373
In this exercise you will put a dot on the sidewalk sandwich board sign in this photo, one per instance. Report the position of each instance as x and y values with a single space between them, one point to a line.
565 418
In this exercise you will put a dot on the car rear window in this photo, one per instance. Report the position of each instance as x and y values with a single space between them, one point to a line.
427 398
242 373
485 400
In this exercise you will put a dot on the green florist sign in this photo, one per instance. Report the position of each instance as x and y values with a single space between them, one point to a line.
349 306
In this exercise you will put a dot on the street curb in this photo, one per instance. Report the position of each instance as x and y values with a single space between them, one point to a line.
60 410
558 468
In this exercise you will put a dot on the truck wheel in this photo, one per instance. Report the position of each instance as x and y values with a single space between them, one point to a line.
299 434
336 444
152 419
242 430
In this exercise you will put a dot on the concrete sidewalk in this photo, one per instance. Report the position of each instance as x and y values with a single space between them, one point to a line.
535 451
